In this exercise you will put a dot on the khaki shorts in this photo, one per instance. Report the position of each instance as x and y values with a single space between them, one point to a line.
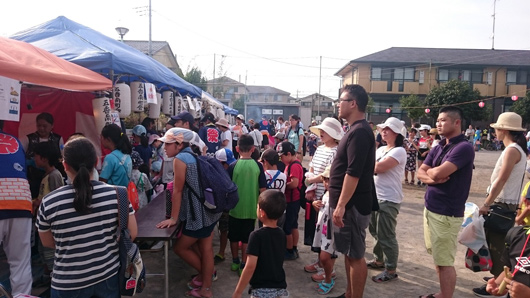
440 233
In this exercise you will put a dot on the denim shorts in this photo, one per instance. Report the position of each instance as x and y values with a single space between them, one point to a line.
108 288
291 217
200 233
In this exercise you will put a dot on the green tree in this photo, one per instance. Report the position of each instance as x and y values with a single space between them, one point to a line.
457 93
414 107
239 103
195 77
522 107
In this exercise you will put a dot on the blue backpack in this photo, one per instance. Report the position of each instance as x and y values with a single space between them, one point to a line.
218 193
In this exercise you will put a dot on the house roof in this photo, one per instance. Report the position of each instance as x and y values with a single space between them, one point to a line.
265 90
143 45
314 95
225 81
446 57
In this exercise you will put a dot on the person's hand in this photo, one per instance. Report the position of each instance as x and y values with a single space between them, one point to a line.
310 195
318 204
166 223
517 289
236 295
338 214
492 287
424 154
484 210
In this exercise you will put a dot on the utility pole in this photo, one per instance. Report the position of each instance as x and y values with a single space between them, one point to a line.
319 83
213 80
149 48
493 34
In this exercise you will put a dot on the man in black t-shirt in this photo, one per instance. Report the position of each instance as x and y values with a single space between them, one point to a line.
351 186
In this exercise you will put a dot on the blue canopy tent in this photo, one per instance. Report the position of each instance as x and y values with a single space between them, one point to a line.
88 48
231 111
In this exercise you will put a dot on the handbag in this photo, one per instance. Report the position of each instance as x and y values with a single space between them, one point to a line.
480 261
132 270
499 219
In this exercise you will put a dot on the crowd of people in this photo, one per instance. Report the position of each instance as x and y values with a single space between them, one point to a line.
353 184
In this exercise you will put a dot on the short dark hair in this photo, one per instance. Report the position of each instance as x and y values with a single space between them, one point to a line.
148 121
256 125
245 143
46 117
359 95
272 202
270 156
454 112
49 151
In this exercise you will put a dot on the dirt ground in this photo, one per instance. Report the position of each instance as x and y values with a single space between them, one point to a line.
417 275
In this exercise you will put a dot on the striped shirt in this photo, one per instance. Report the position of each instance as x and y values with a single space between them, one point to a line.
86 246
323 157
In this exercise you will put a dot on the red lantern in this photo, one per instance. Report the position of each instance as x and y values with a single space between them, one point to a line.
481 104
388 111
427 111
515 98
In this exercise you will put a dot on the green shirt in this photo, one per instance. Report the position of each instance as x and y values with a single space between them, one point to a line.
247 175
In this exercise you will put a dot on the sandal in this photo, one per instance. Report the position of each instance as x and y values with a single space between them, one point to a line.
195 293
374 265
384 277
407 181
218 258
428 296
325 288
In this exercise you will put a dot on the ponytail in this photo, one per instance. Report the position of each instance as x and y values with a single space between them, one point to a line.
520 139
115 135
80 156
144 141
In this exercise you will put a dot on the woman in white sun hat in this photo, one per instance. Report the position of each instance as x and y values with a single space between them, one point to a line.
330 133
389 167
505 183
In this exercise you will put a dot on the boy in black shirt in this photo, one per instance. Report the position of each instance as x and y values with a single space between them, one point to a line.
265 250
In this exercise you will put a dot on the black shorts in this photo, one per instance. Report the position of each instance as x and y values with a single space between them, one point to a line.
420 151
291 217
240 229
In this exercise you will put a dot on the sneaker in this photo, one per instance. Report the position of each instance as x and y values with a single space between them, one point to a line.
289 256
218 259
320 276
296 253
487 278
214 276
481 292
312 268
384 277
234 266
158 245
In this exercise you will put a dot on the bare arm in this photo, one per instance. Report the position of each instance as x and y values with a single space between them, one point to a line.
385 165
425 178
47 239
511 157
179 168
132 226
246 275
442 171
292 184
349 185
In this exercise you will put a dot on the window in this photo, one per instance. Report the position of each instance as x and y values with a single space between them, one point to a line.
404 74
376 73
276 97
511 77
466 75
443 75
235 89
519 77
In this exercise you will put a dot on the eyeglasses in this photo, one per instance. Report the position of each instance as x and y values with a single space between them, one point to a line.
341 100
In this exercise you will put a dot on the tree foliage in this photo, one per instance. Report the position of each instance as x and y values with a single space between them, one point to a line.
414 107
370 107
522 107
457 92
239 103
195 77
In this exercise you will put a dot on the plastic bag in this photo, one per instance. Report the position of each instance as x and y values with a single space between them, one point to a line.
472 235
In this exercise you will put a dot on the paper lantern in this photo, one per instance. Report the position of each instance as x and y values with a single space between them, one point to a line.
137 96
178 105
515 98
102 112
167 103
388 111
427 111
154 109
481 104
122 99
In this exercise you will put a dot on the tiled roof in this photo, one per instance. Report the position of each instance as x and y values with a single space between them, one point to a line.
265 90
143 45
449 56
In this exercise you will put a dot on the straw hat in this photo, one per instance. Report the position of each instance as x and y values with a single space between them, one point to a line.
331 126
509 121
223 122
433 131
394 124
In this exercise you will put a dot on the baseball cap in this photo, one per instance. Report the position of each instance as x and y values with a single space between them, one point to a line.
153 138
287 147
279 135
156 166
240 116
136 159
208 116
184 116
139 130
424 127
225 155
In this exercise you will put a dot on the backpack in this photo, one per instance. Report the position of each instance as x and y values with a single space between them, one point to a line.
218 193
132 269
132 192
304 187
